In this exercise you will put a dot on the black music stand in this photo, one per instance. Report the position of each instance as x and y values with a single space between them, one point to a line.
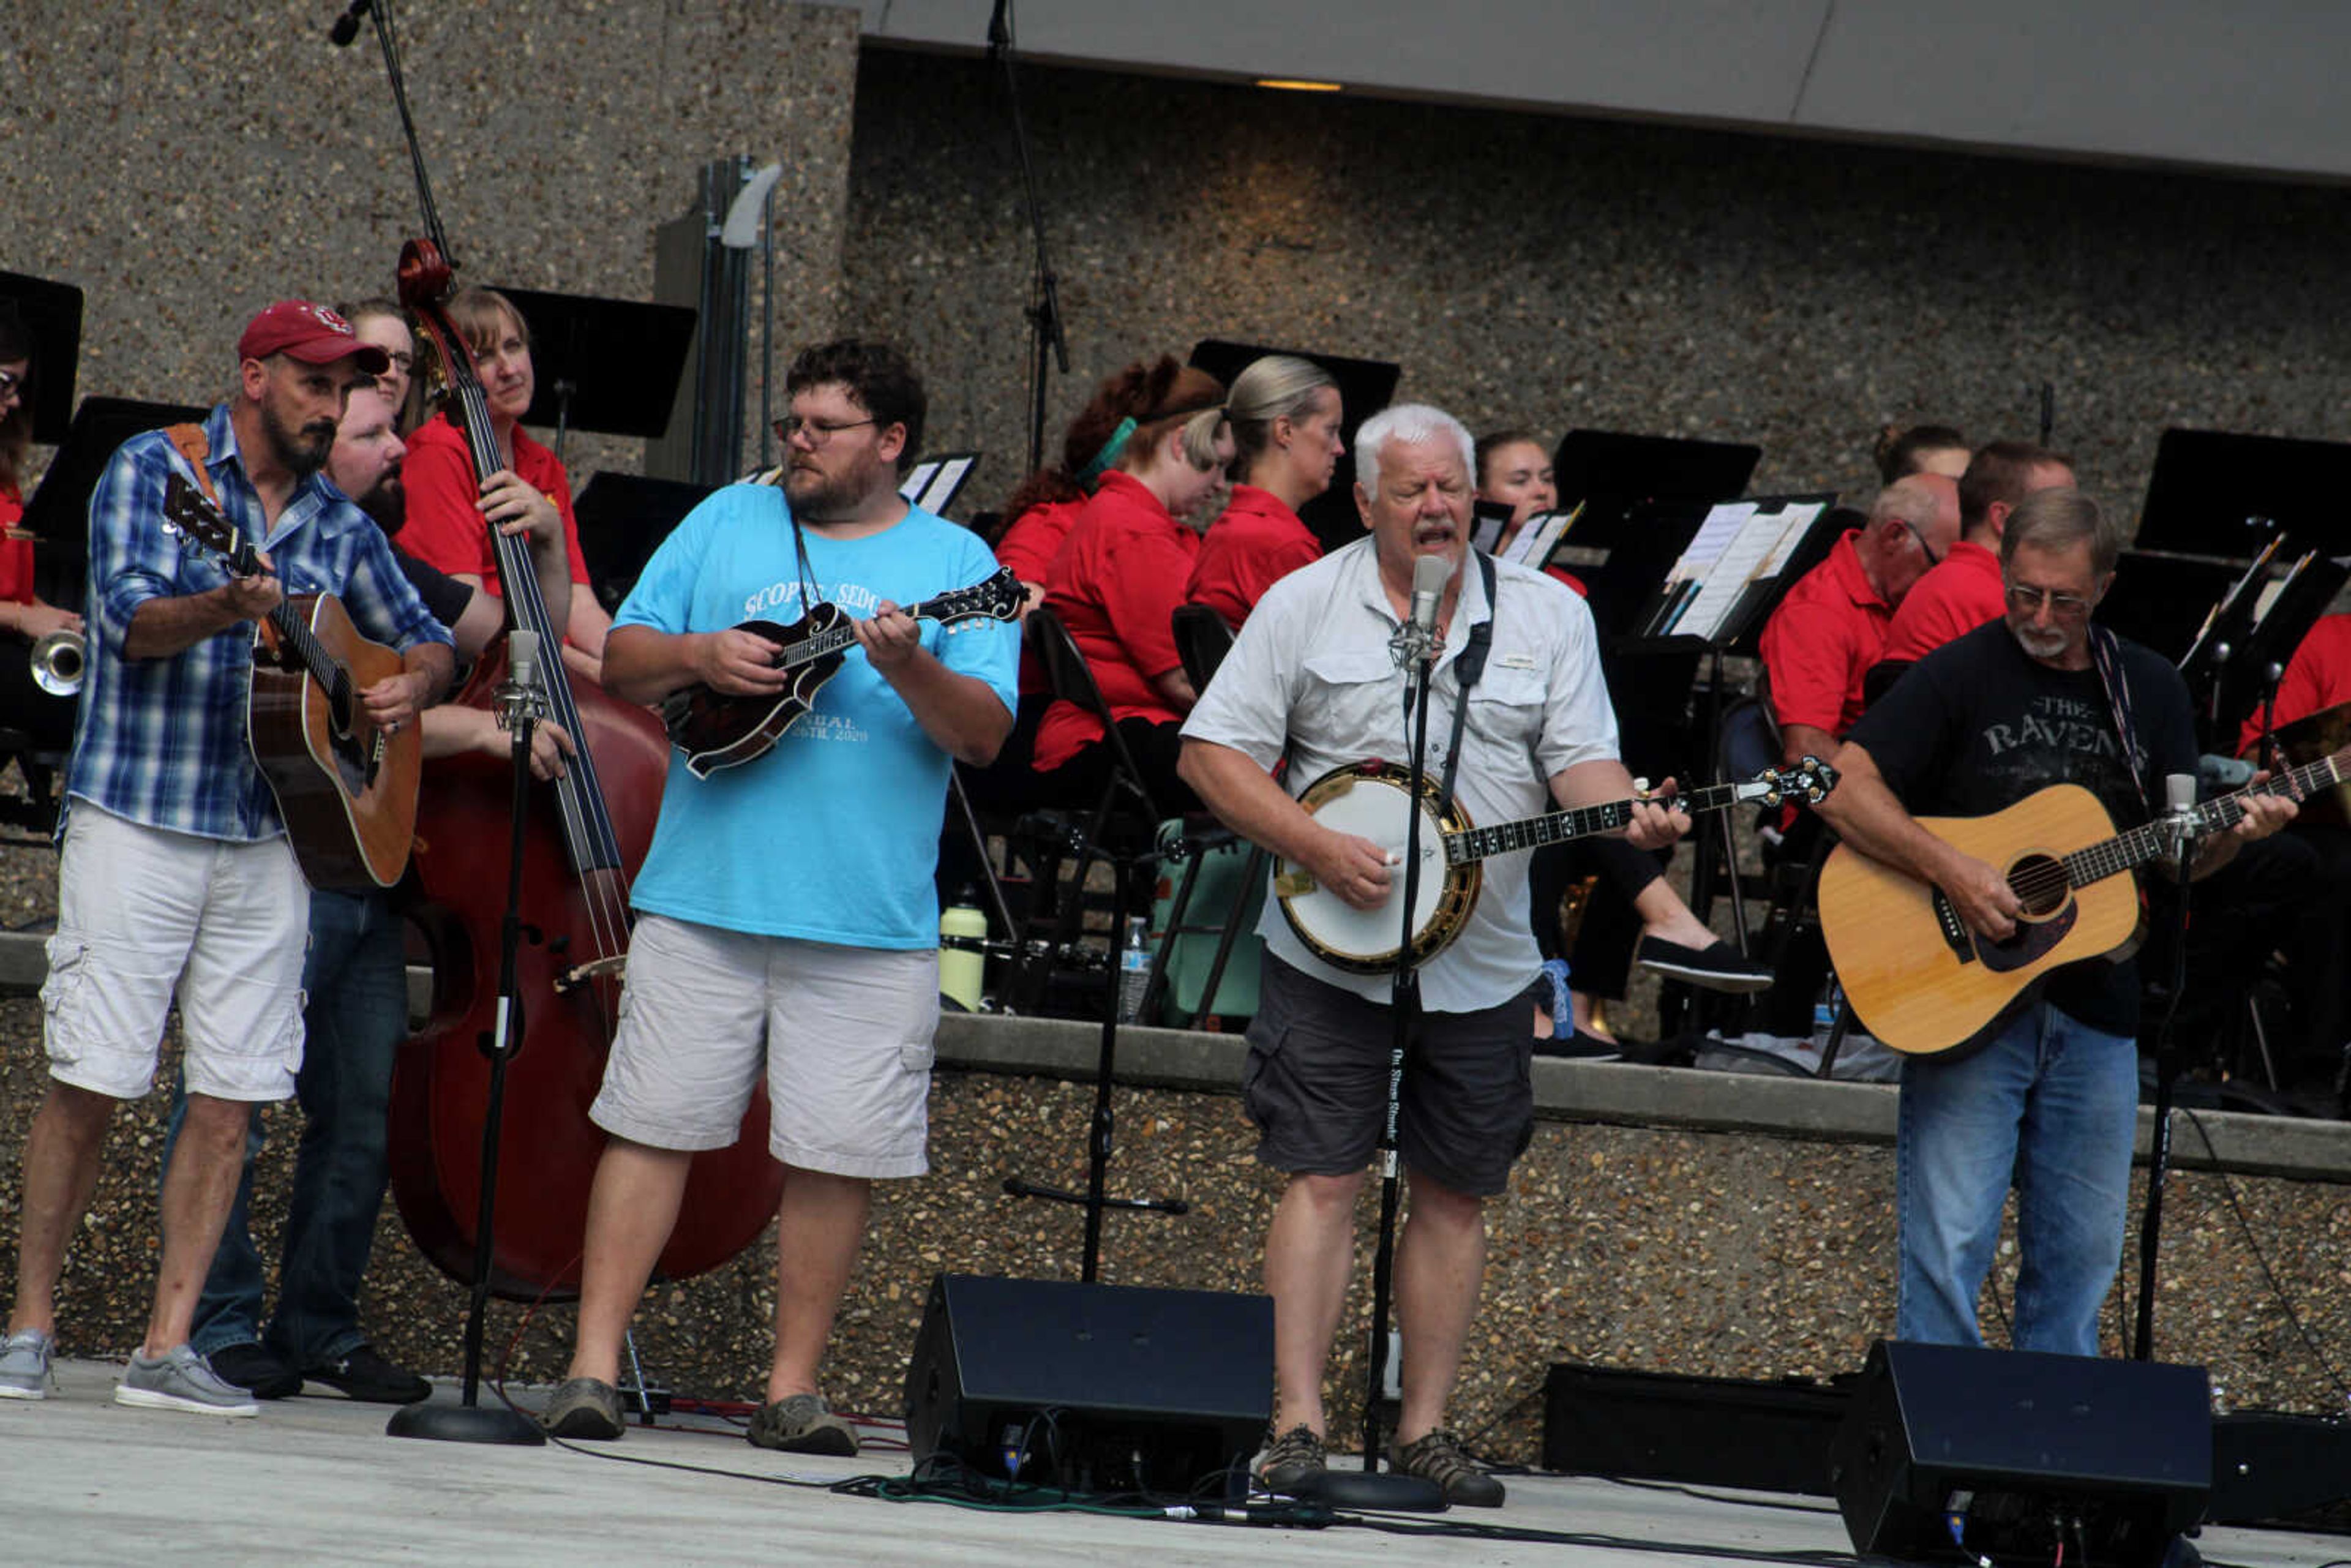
1721 626
1644 498
57 516
2159 601
610 366
1364 387
623 517
2220 494
51 315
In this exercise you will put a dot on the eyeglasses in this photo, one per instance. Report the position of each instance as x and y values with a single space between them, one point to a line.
1923 547
2028 599
818 430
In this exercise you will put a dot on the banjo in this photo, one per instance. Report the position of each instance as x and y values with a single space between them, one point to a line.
1371 801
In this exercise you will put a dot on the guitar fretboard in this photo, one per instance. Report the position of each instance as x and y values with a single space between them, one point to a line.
2150 840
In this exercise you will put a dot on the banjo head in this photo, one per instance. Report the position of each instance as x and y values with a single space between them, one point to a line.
1370 800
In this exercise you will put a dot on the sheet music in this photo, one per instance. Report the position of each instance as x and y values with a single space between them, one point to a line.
1800 515
1721 526
916 478
942 490
1743 559
1531 546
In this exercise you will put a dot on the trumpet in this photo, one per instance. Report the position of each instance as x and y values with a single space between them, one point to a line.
57 660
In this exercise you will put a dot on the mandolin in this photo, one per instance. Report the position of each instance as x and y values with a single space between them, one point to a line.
715 730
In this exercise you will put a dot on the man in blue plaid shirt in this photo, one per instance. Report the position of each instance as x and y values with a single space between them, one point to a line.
174 861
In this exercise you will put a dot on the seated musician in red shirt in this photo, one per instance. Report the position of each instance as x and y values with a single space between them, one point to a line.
1036 518
446 505
1285 415
1121 574
1832 625
1964 590
1514 467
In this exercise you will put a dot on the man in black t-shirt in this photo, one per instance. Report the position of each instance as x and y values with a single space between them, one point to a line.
355 1013
2046 1098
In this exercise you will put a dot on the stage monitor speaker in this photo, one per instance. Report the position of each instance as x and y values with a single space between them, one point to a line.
1709 1431
2269 1466
1092 1388
1951 1451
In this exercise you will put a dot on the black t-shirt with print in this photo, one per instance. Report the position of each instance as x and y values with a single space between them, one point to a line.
1978 725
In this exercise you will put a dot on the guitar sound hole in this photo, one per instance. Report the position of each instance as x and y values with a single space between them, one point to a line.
2039 882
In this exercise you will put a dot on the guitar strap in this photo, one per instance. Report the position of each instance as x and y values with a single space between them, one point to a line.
2106 653
1466 671
193 445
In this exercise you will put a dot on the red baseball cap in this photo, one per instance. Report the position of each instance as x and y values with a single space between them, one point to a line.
310 333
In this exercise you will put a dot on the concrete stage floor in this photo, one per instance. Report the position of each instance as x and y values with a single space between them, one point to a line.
316 1480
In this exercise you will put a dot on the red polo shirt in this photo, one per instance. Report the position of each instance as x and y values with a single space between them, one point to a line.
1959 593
1030 545
1255 544
1118 578
1026 550
2318 677
16 553
444 527
1822 639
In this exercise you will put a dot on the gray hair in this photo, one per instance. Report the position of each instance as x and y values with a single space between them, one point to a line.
2057 520
1907 500
1279 386
1414 424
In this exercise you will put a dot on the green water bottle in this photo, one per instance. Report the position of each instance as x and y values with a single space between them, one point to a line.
963 960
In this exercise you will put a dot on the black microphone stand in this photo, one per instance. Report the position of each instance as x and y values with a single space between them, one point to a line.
520 706
1044 307
2158 1155
1374 1488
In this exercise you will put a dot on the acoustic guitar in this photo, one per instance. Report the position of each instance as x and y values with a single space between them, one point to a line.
345 789
715 730
1372 801
1922 983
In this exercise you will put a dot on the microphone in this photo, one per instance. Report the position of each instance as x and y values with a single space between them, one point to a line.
347 26
1415 640
2181 826
2222 654
518 694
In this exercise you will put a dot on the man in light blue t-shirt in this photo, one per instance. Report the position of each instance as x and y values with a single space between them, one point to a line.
786 912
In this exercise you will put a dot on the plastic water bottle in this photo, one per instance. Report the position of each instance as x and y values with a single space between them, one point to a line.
1133 969
1825 1011
963 966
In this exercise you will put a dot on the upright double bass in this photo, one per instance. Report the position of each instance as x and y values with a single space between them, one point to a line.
585 839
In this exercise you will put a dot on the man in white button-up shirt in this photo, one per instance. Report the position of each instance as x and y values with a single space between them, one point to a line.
1311 671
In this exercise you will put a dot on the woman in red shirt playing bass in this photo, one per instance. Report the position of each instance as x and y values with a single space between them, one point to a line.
1121 573
1285 414
447 511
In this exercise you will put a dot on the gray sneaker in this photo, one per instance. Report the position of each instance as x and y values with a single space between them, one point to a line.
25 1364
180 1379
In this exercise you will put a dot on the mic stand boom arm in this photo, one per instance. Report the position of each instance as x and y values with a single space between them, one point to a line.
1044 308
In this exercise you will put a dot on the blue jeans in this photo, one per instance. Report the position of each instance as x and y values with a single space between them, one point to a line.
2049 1106
356 1017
